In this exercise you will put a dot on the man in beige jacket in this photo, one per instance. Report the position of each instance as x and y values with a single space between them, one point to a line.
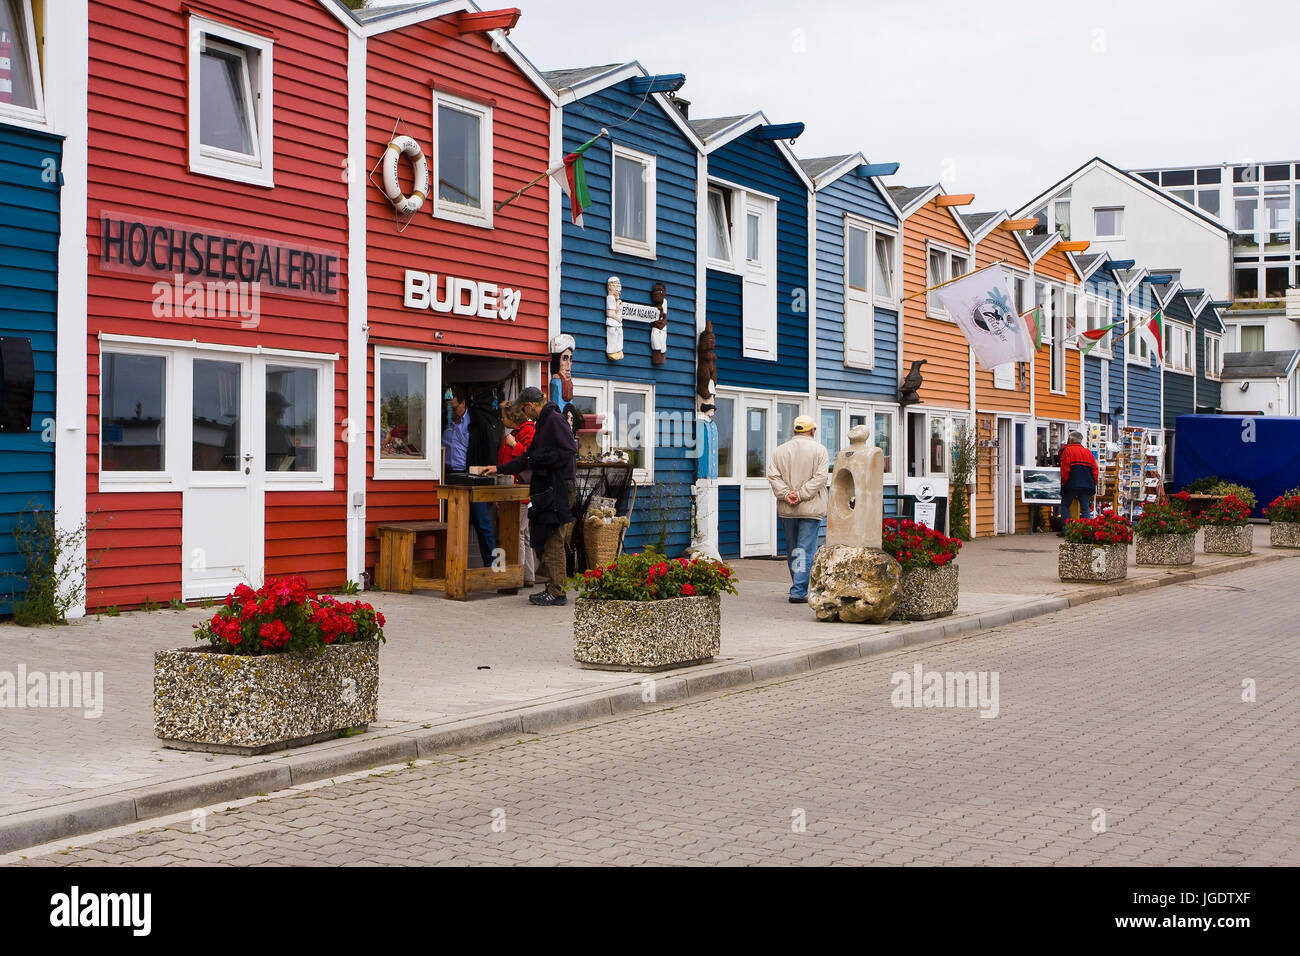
798 474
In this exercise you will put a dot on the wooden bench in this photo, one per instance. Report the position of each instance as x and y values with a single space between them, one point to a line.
396 568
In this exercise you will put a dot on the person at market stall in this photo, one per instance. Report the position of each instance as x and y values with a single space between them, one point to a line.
467 442
798 474
1078 478
519 418
552 457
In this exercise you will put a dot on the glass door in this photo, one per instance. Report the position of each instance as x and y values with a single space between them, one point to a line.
757 503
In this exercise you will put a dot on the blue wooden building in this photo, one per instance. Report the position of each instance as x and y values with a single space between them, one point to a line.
761 292
644 179
29 246
1103 367
1142 372
857 248
1179 370
1209 348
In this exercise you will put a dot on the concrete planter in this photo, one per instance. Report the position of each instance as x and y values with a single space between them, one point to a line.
1225 539
927 593
1092 563
231 703
1284 534
647 635
1166 550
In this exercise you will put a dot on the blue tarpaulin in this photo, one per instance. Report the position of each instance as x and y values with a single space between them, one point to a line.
1258 451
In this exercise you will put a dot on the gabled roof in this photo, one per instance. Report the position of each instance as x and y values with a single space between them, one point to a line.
573 84
706 129
1243 365
562 80
371 21
717 132
1141 183
1087 262
1037 245
907 198
829 169
815 167
975 221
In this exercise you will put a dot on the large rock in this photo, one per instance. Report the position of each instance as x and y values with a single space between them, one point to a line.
854 585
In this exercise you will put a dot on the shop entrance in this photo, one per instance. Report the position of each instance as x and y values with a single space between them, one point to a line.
1004 479
222 522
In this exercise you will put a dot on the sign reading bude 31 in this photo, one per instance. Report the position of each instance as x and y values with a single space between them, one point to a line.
486 300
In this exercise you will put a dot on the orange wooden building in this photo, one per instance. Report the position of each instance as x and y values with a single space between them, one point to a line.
937 246
1004 395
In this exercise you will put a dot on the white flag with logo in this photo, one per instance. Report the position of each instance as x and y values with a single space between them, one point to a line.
982 306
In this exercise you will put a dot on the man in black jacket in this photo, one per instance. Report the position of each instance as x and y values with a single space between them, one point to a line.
552 458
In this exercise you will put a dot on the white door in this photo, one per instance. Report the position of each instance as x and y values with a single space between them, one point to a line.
1004 480
858 317
757 503
222 522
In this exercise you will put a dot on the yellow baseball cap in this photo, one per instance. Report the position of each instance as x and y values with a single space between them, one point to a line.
804 424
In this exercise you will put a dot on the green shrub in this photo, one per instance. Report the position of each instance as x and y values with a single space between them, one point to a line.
1225 488
54 572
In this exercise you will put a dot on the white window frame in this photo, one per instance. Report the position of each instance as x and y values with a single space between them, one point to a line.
1241 328
1099 315
728 198
765 266
1179 345
480 215
1055 291
179 405
1119 222
935 310
429 468
1138 349
144 481
35 114
649 177
864 299
892 300
1213 369
603 393
259 170
322 479
847 409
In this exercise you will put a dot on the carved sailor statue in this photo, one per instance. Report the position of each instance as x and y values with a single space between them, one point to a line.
613 319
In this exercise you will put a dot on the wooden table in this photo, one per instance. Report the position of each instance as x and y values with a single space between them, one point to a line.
459 578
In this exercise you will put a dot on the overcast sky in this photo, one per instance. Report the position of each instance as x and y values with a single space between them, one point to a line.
1000 97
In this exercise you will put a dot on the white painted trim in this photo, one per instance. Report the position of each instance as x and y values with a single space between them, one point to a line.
355 430
737 187
616 75
919 201
983 232
743 126
113 338
67 44
810 313
701 244
555 226
220 163
342 16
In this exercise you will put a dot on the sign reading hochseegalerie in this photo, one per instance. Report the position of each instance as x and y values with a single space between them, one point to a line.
136 244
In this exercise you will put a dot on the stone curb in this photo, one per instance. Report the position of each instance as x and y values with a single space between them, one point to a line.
335 758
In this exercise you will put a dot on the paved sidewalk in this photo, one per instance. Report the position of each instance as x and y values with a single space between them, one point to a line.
447 661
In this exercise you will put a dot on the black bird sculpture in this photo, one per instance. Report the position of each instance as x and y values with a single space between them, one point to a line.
907 391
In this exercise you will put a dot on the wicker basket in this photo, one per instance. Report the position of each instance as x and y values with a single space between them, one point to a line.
602 538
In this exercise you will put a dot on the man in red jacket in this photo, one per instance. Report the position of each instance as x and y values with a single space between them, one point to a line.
1078 478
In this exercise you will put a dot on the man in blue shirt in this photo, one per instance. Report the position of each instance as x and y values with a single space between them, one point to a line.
468 441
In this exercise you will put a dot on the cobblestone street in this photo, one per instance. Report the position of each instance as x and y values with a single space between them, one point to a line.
1124 715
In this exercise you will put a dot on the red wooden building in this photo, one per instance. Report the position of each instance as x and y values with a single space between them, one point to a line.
217 296
458 292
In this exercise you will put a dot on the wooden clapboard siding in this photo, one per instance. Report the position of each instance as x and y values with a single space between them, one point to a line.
139 166
760 165
1096 365
1000 245
1054 266
1142 405
29 252
729 520
1207 389
587 262
862 198
403 66
1178 398
946 376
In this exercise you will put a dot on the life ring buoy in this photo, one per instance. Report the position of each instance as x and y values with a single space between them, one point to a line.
408 147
